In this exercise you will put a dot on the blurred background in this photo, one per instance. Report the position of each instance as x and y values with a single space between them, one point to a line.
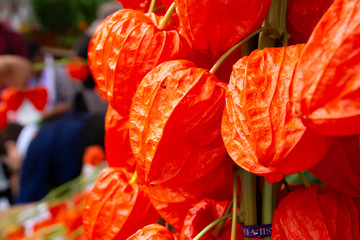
49 23
51 117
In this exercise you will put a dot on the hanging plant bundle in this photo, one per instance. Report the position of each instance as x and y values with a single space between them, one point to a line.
189 133
127 46
326 85
258 129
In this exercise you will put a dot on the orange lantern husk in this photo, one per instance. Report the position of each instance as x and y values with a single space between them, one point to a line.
258 130
326 83
152 232
215 26
115 209
340 167
302 17
125 48
117 144
316 213
175 125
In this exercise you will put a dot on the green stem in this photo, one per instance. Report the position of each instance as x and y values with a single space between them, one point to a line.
276 18
248 187
133 179
167 16
304 180
219 227
210 226
269 192
233 223
271 20
152 6
286 184
283 16
158 8
233 48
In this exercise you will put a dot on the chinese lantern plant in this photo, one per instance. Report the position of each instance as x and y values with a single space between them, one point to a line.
175 122
202 214
215 26
339 169
115 209
117 145
127 46
258 129
302 17
152 232
326 87
316 213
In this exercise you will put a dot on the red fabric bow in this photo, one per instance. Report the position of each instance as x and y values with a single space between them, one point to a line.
14 97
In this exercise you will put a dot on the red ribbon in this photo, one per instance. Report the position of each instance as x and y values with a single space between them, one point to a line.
14 98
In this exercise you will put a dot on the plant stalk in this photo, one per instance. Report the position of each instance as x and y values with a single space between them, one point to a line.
233 223
248 192
304 180
233 48
210 226
133 179
219 227
167 16
152 6
269 192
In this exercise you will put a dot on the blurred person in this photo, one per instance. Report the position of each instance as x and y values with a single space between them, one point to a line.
15 71
11 42
8 172
91 100
54 155
61 89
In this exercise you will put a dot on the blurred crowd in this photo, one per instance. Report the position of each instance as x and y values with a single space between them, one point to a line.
47 116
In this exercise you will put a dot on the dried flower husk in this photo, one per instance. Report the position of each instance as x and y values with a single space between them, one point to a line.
202 214
115 209
316 213
326 83
340 168
117 144
259 132
215 26
125 48
302 17
175 123
152 232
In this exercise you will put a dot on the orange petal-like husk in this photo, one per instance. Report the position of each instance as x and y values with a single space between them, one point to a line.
114 209
302 17
117 144
258 129
215 26
316 213
152 232
125 48
175 127
326 82
340 168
